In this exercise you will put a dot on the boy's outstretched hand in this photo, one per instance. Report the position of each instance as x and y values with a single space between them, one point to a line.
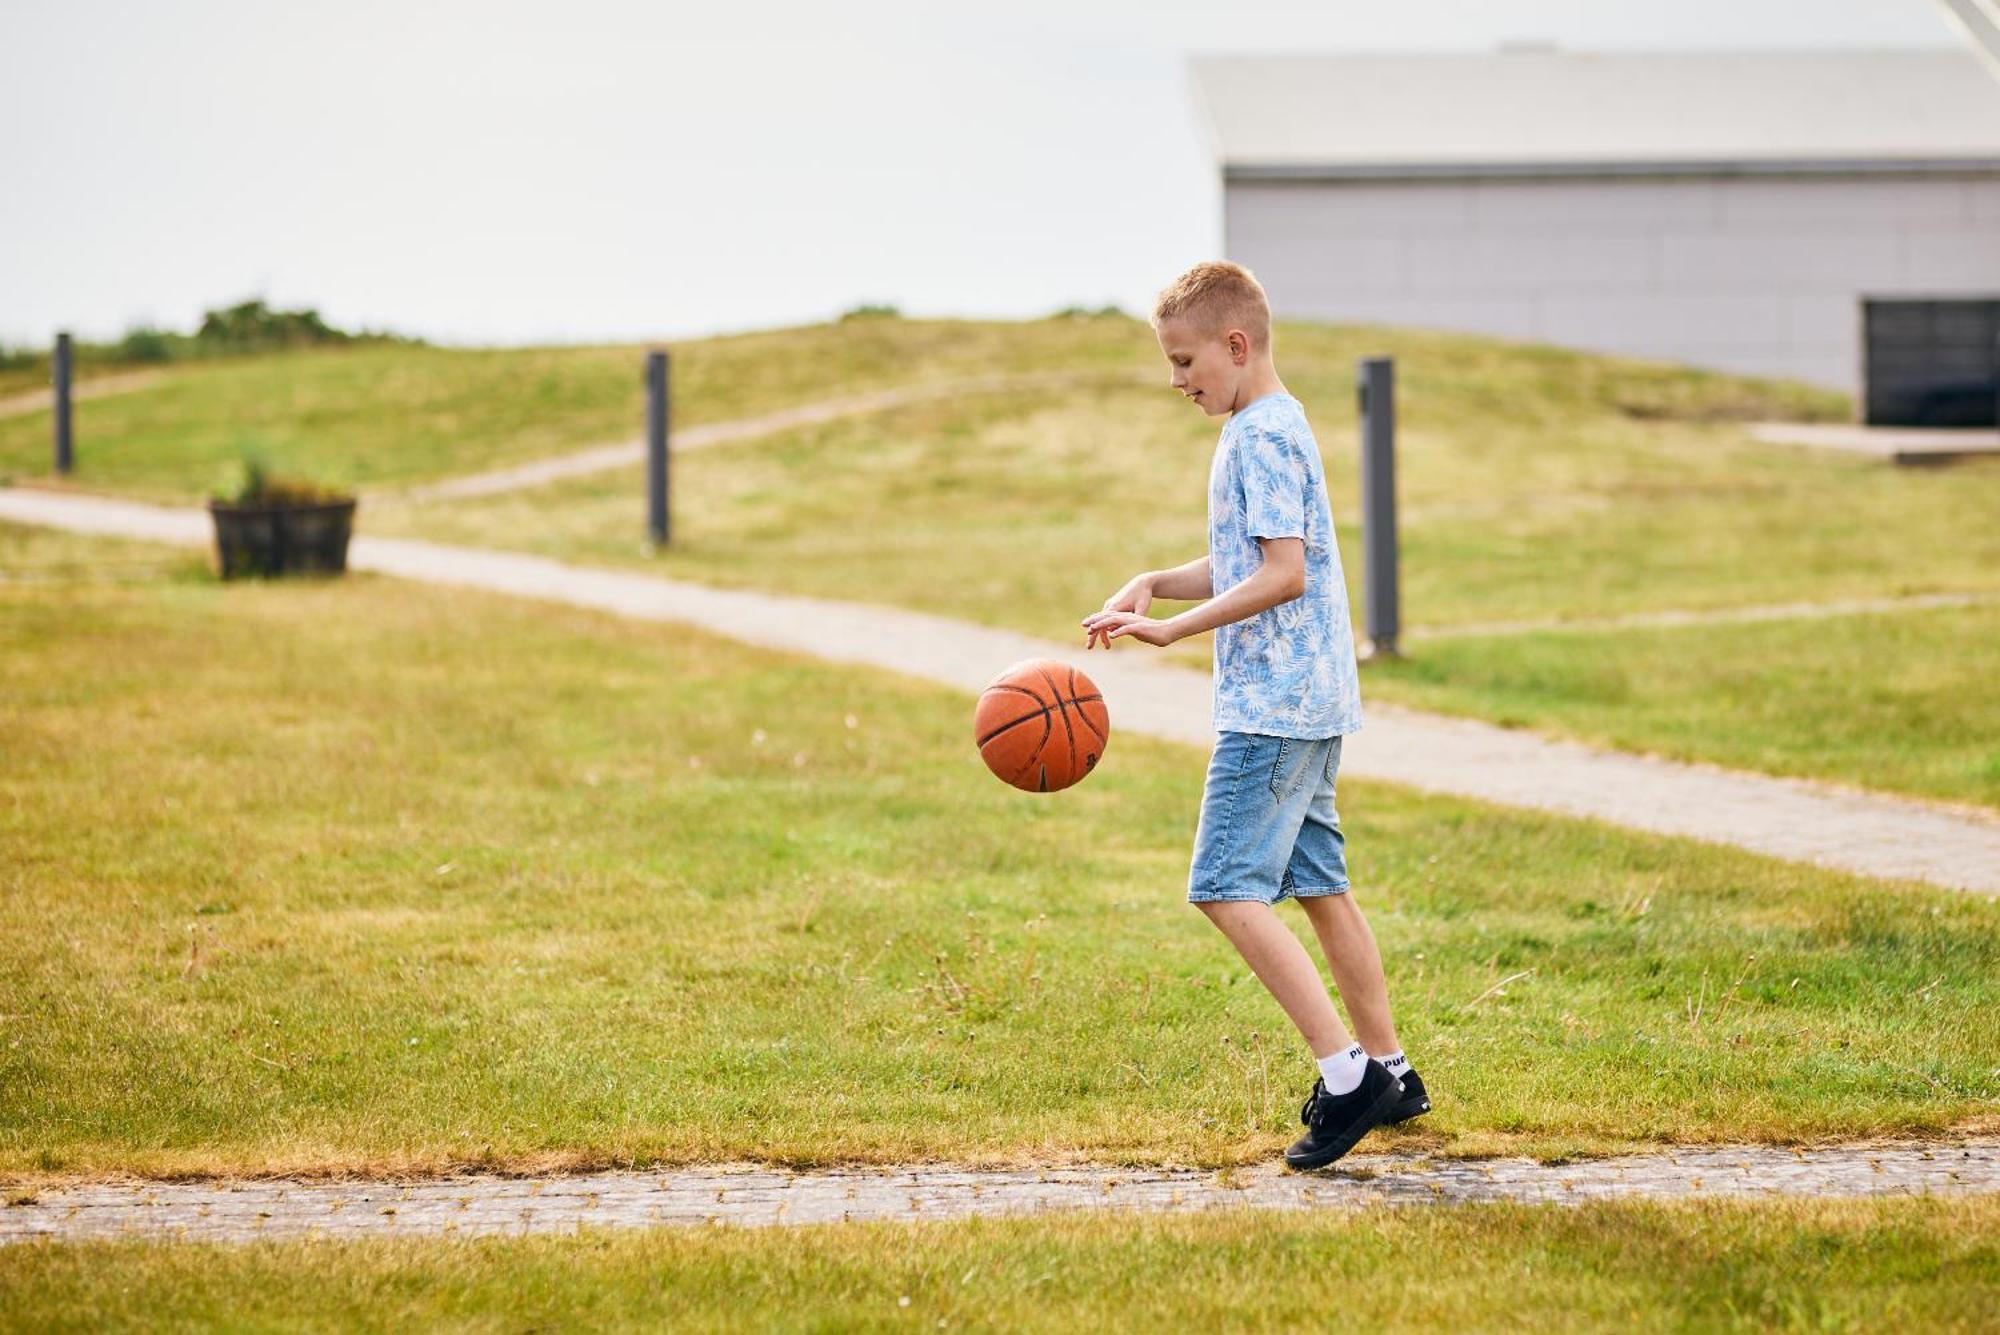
1104 627
1124 613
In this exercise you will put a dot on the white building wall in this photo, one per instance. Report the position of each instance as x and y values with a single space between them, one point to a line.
1759 275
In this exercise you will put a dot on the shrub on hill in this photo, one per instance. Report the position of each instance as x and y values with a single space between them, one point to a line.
251 326
143 344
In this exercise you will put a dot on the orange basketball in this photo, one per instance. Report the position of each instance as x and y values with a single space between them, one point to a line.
1041 725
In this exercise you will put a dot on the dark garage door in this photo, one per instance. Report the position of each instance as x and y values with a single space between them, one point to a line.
1932 363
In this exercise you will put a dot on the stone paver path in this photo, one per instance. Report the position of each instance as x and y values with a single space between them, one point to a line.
1870 833
761 1197
626 454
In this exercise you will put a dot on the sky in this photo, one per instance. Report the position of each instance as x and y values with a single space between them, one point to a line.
599 170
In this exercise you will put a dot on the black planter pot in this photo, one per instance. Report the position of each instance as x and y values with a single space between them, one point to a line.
281 539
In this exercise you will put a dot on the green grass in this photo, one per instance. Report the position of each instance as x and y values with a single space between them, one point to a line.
1535 483
367 875
384 415
1027 514
1793 1266
1555 499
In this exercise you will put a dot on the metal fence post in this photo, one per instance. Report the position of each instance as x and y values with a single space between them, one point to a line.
59 369
1376 380
656 447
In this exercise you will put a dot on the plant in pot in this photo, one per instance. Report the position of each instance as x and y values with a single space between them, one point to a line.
271 525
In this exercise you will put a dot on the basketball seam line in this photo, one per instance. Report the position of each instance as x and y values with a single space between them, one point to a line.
1035 756
1080 700
1034 753
1025 718
1068 731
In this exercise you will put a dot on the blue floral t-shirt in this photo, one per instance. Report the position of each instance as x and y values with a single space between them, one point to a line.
1289 670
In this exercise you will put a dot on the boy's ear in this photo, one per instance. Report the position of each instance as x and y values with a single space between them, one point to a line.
1239 346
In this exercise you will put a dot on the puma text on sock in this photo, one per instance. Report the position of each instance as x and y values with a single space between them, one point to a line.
1342 1071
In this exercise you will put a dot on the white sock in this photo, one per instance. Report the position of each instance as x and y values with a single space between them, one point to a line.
1342 1071
1397 1063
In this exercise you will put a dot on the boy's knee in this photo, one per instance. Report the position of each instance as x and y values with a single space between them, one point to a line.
1218 910
1340 905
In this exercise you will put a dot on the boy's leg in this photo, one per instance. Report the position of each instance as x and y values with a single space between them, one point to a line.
1318 868
1285 969
1251 812
1349 944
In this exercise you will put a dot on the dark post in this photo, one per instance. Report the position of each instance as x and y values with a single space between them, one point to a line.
1377 382
656 446
59 374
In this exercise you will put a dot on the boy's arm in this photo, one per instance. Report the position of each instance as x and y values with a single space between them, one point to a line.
1280 579
1183 583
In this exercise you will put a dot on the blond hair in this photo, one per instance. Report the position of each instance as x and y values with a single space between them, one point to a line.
1216 297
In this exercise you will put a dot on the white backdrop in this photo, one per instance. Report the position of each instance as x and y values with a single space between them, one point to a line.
598 169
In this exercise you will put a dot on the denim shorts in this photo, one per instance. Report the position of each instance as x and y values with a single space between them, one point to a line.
1268 826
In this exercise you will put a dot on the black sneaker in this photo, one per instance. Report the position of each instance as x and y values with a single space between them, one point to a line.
1416 1100
1334 1122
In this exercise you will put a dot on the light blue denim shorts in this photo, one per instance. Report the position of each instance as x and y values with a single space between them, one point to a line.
1268 826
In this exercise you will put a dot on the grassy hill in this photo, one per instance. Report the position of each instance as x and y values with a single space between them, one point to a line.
1535 483
382 415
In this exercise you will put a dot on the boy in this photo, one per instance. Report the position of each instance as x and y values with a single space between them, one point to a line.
1285 694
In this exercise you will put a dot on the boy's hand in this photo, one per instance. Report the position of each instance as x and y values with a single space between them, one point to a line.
1135 597
1108 626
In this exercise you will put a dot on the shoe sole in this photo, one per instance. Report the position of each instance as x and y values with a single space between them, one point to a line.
1367 1122
1400 1113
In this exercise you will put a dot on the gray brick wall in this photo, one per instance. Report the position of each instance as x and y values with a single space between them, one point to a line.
1760 275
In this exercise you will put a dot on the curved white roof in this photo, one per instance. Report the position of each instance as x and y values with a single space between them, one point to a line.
1550 111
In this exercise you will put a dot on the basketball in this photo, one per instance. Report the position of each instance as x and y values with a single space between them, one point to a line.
1041 725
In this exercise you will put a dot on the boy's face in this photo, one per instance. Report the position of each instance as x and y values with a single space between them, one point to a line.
1207 367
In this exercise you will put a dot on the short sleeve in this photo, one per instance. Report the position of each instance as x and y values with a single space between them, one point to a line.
1274 486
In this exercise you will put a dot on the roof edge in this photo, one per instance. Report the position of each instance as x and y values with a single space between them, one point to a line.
1434 171
1942 47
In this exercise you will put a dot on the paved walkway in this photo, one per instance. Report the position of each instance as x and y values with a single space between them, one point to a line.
626 454
1869 833
97 387
1903 445
1713 616
762 1197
